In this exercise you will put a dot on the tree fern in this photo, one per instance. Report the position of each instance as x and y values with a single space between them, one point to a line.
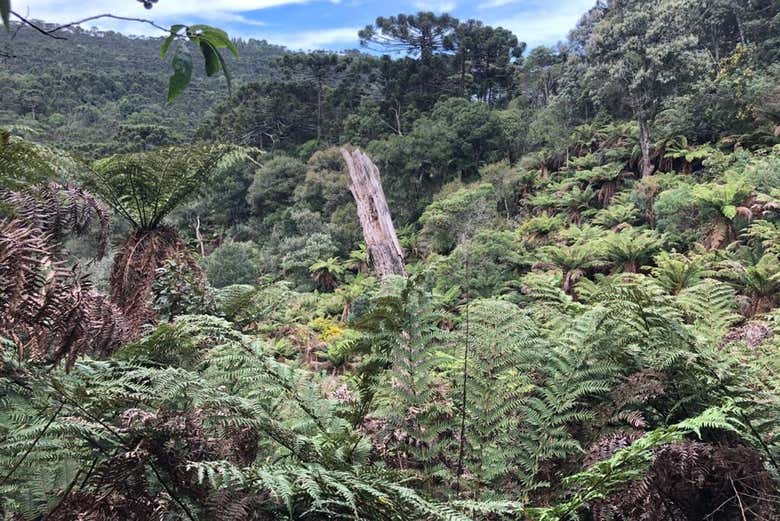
570 371
404 332
711 306
312 491
51 312
24 164
496 384
145 187
139 423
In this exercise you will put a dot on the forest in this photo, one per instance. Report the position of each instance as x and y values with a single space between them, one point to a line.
443 276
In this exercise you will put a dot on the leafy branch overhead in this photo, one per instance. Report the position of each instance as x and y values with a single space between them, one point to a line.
5 12
209 40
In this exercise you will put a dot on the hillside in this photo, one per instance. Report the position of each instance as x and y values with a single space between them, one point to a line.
97 92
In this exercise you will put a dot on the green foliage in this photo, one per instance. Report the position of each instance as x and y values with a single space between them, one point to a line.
233 263
492 389
481 266
311 473
5 12
510 184
314 489
637 57
573 371
274 184
300 253
327 273
23 163
632 248
179 289
760 281
268 307
723 203
618 212
629 463
325 187
590 326
676 272
541 227
677 214
573 261
457 217
709 304
402 332
453 141
209 40
77 94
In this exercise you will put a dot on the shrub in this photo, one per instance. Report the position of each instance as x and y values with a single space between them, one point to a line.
233 263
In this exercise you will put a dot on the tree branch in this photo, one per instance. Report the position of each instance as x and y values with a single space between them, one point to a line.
51 32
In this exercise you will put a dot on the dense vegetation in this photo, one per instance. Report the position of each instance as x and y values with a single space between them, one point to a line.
191 327
100 92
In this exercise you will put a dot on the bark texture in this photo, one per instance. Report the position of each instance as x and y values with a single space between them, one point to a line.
644 145
384 250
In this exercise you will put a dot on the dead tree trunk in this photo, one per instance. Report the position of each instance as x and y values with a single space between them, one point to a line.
384 250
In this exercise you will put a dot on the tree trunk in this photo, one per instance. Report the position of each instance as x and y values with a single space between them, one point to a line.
199 237
319 112
463 75
644 144
382 244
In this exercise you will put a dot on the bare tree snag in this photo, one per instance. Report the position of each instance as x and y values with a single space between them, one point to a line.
384 250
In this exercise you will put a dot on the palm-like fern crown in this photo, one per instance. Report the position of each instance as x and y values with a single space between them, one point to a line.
632 247
675 272
147 186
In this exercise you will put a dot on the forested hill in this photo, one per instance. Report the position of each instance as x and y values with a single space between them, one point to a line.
98 92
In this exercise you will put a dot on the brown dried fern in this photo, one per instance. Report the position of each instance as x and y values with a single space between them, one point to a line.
50 312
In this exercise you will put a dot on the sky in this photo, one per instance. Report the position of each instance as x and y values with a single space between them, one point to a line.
314 24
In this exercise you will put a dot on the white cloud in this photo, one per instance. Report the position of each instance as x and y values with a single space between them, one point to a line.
541 26
237 19
533 21
317 39
167 12
438 7
496 3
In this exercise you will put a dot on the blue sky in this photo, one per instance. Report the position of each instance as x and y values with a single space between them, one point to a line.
316 24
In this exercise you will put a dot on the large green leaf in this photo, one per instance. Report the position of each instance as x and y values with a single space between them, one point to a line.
5 12
212 57
225 71
182 75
